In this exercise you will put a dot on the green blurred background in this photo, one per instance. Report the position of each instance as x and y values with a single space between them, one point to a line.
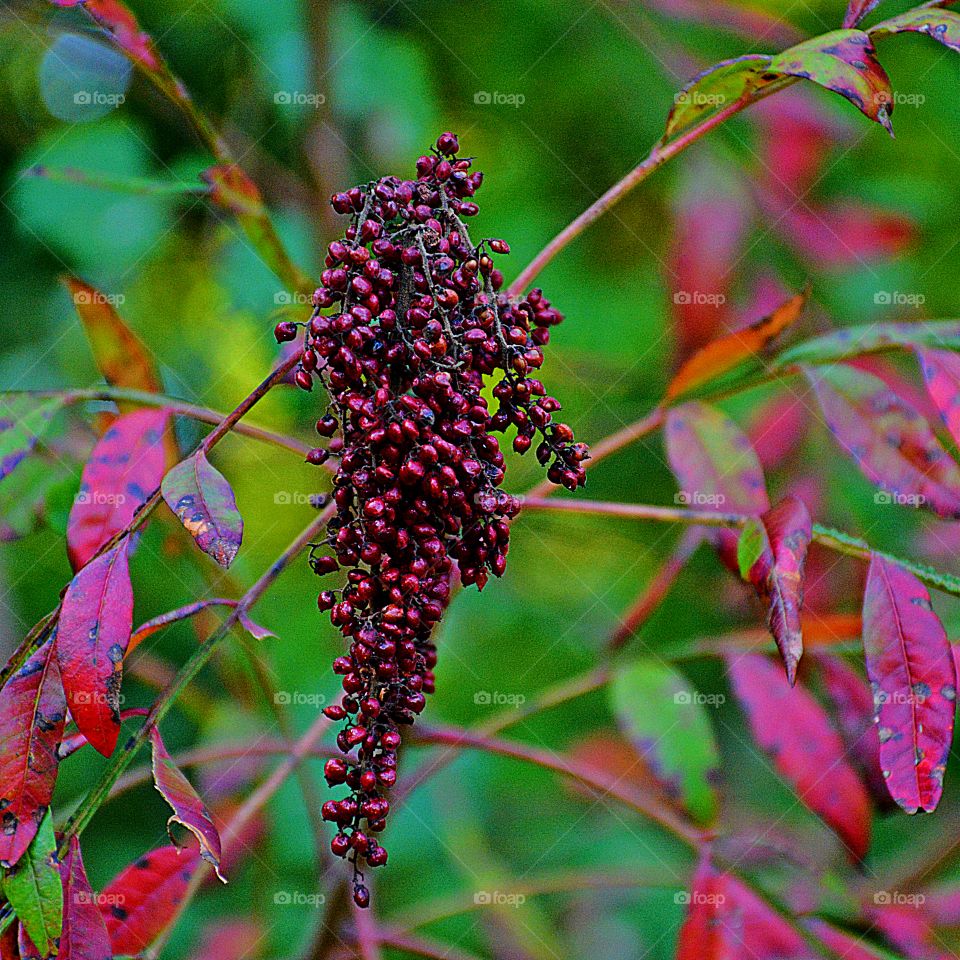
316 96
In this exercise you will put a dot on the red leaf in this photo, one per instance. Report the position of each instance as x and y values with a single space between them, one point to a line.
911 668
116 18
32 714
125 468
807 752
777 573
853 709
728 921
941 373
887 437
188 809
230 940
84 935
201 498
906 926
95 623
857 10
9 949
142 900
716 468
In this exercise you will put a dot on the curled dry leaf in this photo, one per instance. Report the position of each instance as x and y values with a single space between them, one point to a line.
188 809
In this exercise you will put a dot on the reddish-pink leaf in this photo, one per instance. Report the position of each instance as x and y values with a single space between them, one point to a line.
202 499
857 10
728 921
906 925
71 743
125 468
794 729
116 18
773 551
853 710
95 623
191 609
912 672
941 373
32 714
716 468
142 900
888 438
84 935
188 809
230 940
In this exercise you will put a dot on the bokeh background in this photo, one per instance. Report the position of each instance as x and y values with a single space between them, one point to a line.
557 101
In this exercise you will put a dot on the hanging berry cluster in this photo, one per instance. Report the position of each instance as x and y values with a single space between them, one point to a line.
409 325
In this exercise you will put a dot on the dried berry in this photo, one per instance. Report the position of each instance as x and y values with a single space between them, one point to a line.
409 329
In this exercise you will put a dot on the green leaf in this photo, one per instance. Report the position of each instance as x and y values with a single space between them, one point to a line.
942 25
664 719
23 421
750 546
34 889
871 338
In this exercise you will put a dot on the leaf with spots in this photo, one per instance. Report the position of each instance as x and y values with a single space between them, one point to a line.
34 891
121 356
32 715
727 920
845 62
888 438
731 351
84 934
912 673
202 499
95 623
142 900
942 25
188 809
856 11
792 727
716 467
23 422
192 609
875 337
771 553
664 719
124 469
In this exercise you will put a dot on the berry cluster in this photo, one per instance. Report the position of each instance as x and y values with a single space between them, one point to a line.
408 327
